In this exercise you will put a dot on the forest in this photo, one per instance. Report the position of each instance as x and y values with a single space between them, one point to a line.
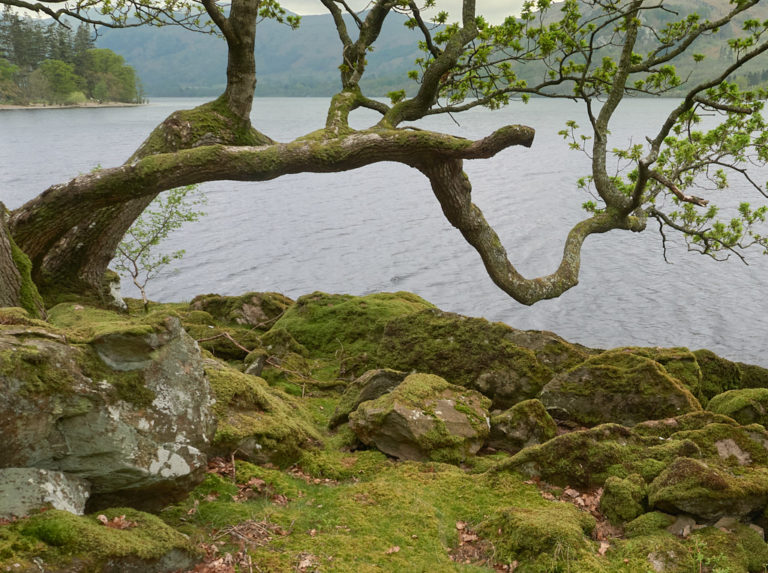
43 62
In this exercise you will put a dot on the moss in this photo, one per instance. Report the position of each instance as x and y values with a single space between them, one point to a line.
623 499
648 523
617 386
705 490
405 422
279 341
83 324
739 550
369 386
216 340
524 424
19 316
717 441
717 374
660 551
253 309
327 324
747 406
60 538
210 123
753 376
587 458
555 534
680 363
336 464
130 386
687 422
35 370
263 423
29 297
465 351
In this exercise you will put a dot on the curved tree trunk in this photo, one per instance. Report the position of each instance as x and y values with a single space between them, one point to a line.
79 260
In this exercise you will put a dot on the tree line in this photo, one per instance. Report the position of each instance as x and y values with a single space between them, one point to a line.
48 63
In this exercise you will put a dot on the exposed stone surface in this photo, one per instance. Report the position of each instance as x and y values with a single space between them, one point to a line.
617 386
130 412
369 386
424 418
524 424
26 490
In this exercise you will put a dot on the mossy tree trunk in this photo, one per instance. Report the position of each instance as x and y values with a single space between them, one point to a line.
10 278
77 260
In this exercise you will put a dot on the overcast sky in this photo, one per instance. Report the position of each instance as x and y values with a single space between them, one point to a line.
494 10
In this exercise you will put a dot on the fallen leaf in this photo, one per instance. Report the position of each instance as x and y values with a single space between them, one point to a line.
118 522
461 525
604 546
391 550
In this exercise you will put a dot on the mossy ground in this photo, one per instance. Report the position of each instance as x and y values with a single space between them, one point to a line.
323 502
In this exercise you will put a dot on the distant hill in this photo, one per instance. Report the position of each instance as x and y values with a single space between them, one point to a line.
174 62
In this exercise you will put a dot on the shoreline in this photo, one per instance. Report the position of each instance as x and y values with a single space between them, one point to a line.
69 106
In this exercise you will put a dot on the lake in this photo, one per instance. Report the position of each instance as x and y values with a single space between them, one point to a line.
381 229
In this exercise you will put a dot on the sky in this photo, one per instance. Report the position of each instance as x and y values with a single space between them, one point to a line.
494 10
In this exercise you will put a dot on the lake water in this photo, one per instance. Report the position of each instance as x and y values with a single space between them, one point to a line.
380 228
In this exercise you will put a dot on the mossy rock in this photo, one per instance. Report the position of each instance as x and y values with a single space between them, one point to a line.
424 418
623 499
737 445
709 492
693 421
648 524
261 423
470 352
369 386
551 350
253 309
586 458
617 386
717 374
680 363
62 541
547 538
747 406
753 376
525 424
336 325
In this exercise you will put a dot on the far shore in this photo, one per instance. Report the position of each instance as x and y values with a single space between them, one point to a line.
70 106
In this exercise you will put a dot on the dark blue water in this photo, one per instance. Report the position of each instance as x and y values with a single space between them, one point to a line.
380 229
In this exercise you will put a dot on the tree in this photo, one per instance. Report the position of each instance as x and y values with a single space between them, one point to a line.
594 51
136 253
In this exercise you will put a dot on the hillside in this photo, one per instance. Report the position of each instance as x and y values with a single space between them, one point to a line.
174 62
